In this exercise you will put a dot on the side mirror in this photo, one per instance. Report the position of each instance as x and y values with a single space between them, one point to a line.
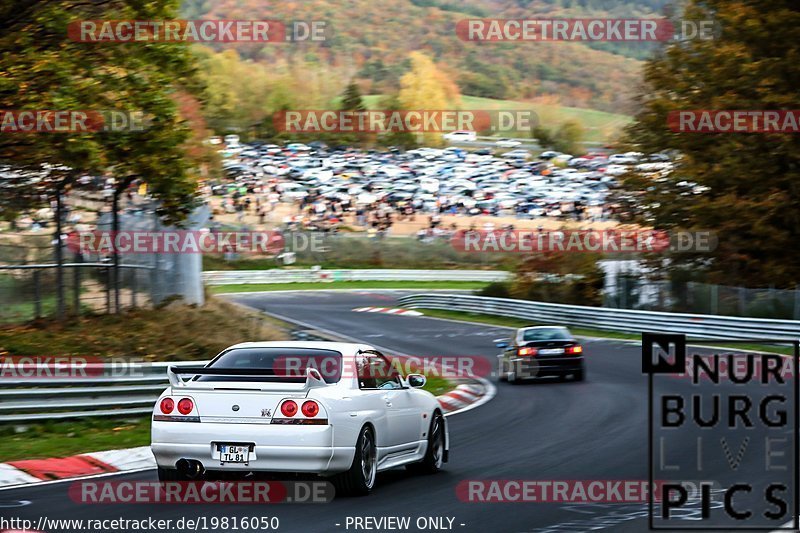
416 381
501 343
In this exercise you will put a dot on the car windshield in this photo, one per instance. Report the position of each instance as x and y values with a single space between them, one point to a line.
278 364
546 334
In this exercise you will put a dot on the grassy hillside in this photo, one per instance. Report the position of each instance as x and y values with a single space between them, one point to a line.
370 41
600 126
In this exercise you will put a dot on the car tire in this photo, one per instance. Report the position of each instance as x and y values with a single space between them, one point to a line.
580 375
434 454
360 479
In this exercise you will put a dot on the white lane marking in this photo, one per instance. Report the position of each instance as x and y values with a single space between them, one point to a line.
387 311
785 526
11 505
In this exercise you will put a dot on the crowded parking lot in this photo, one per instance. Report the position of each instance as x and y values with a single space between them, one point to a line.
378 187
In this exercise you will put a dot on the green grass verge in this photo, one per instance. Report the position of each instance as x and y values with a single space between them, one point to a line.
599 126
438 385
581 332
62 439
301 286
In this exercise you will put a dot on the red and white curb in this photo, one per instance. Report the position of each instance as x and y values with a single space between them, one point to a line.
387 311
461 397
33 471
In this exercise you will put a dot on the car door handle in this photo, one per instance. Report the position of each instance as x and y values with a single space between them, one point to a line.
387 400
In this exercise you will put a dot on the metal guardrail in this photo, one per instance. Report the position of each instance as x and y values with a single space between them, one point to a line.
236 277
122 391
621 320
130 391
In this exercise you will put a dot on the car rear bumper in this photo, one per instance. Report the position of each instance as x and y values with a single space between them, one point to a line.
531 368
275 448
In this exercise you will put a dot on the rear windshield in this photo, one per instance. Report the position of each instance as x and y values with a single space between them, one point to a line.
278 364
546 334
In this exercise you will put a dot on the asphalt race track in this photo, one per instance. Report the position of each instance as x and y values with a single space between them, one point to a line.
595 430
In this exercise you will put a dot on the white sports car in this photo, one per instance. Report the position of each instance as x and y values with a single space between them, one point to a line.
335 409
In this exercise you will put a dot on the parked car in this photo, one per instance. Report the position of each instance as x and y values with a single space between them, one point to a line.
507 143
461 136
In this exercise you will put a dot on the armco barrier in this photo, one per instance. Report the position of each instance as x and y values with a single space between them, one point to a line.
130 391
242 277
622 320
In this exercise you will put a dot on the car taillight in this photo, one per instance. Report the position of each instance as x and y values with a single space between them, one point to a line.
185 406
527 351
573 350
289 408
167 405
310 409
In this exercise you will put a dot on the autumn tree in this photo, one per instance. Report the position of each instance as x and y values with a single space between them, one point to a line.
42 69
743 186
425 87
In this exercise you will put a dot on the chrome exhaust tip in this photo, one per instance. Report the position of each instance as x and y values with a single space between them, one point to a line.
190 468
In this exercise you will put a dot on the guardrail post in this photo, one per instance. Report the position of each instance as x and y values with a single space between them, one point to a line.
76 286
108 289
115 255
59 252
154 294
134 275
37 294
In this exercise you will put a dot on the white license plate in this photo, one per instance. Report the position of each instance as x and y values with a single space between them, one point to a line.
551 351
231 453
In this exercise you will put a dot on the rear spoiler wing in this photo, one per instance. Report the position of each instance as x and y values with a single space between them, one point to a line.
313 377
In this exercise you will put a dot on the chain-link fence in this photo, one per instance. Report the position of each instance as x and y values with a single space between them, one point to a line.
32 291
31 287
633 291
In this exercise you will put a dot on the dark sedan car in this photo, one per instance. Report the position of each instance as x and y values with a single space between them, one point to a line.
540 351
